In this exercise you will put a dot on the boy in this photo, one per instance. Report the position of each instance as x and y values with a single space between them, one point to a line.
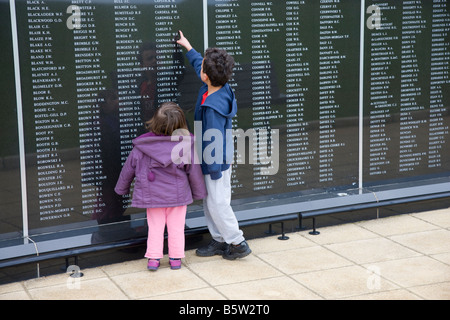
215 107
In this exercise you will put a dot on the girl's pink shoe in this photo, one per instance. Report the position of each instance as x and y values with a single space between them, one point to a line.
153 264
175 263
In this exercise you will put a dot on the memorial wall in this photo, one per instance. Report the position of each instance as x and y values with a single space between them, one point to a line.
351 95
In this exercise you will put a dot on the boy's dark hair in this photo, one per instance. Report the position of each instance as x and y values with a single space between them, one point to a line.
218 66
168 118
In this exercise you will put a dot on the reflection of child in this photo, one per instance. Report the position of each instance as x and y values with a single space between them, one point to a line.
148 87
109 207
215 108
147 82
165 186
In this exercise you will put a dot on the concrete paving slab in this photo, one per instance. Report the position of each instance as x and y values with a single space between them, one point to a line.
396 225
440 217
278 288
416 271
304 260
344 282
426 242
400 257
220 272
95 289
371 250
145 284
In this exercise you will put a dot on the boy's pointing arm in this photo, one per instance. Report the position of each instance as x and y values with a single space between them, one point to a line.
184 42
193 56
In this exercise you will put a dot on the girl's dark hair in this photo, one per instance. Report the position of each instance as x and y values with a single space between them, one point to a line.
168 118
218 66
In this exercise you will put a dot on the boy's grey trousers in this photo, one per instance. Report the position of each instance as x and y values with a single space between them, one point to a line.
220 217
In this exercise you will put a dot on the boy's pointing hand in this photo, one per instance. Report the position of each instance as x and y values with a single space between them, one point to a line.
183 41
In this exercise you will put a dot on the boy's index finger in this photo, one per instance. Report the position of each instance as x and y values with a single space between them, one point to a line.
178 36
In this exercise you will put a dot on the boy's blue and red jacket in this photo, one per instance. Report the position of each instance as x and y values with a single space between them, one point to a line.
216 113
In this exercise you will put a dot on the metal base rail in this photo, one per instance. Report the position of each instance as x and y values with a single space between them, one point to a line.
70 253
75 252
377 204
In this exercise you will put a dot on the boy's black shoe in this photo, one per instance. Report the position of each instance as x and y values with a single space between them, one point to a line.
237 251
213 248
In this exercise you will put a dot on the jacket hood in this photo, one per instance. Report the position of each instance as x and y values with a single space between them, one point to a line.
223 101
159 148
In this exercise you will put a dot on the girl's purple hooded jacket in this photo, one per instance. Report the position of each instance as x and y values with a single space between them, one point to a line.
160 181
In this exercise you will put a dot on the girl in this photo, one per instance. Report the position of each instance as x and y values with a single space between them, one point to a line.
166 182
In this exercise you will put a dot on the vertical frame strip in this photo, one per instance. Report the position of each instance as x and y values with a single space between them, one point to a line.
205 25
361 95
23 181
